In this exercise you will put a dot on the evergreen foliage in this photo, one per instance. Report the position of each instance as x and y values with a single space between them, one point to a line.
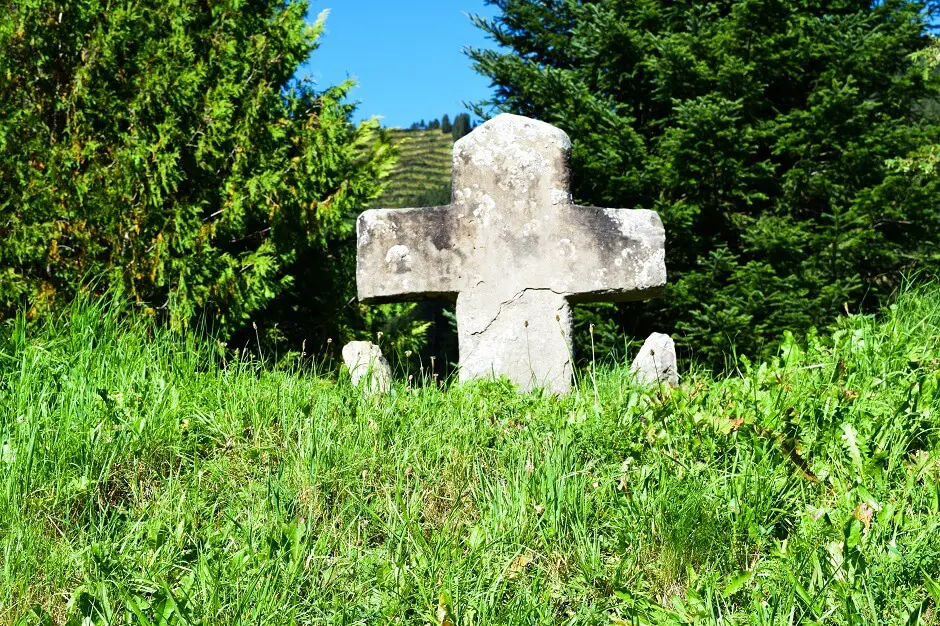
446 126
462 126
164 149
758 129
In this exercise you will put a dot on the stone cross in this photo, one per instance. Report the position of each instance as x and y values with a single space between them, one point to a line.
514 251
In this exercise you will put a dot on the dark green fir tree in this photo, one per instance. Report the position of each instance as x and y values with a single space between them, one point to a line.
462 126
758 129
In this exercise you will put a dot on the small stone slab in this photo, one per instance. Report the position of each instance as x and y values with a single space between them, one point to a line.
514 251
366 362
656 362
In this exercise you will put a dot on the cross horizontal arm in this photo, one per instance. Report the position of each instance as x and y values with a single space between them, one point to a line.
613 255
408 254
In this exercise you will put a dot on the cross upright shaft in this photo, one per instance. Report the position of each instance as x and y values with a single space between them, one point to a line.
514 251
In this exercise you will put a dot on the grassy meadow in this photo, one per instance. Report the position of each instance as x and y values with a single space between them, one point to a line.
152 478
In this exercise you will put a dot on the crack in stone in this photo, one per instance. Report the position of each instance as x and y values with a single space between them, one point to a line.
510 301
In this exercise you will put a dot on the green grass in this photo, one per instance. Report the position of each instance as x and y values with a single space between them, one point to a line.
423 172
150 478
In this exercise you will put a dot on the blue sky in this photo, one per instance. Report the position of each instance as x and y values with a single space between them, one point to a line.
406 55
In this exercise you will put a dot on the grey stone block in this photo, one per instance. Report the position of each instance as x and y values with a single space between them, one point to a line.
656 362
367 363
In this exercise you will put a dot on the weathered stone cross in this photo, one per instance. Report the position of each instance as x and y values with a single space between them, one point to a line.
514 251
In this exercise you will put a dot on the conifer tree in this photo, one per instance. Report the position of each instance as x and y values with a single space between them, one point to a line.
164 150
758 129
462 126
446 126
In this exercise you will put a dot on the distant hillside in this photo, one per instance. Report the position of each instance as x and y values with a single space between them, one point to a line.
422 175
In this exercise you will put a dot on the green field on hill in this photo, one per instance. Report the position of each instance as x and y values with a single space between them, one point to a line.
152 478
422 175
